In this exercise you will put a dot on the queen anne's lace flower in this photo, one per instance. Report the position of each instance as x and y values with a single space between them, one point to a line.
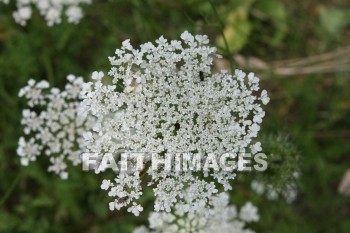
53 125
222 217
165 99
51 10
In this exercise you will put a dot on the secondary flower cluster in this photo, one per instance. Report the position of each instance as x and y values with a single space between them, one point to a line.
51 10
289 190
52 124
221 218
160 98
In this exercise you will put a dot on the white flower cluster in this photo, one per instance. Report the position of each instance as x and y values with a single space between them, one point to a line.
52 125
289 192
126 189
222 217
165 99
51 10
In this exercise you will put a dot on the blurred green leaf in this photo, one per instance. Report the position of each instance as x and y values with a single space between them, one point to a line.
237 29
7 222
334 20
273 10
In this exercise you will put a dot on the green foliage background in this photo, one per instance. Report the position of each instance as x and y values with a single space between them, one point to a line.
312 111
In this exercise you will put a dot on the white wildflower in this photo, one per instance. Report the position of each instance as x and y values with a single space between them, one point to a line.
22 15
53 124
164 99
288 191
256 148
249 213
52 11
221 217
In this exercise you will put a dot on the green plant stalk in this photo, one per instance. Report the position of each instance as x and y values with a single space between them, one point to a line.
222 26
10 189
48 68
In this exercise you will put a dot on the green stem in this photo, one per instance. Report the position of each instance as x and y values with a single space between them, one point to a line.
10 189
222 27
49 70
